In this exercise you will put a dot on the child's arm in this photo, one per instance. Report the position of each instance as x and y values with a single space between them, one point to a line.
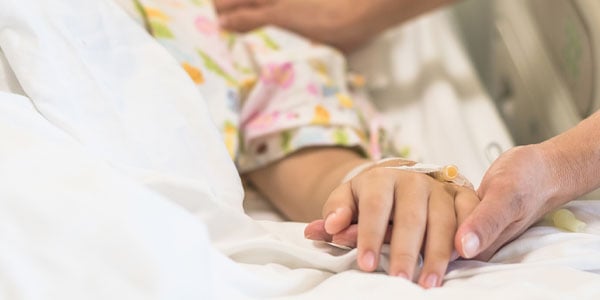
302 134
423 212
299 184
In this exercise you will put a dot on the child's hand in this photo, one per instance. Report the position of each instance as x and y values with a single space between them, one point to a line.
412 211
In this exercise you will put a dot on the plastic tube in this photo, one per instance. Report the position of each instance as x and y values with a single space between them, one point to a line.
565 219
446 173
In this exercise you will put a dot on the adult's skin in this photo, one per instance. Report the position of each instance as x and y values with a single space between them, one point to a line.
526 182
345 24
523 184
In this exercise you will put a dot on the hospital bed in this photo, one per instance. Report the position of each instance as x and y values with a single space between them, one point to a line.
114 183
546 66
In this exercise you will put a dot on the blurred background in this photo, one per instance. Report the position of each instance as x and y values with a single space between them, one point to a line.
520 72
538 59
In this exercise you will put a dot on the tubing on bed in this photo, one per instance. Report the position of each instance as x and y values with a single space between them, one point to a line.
565 219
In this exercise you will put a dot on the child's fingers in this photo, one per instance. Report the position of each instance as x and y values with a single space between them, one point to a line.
348 236
340 209
465 202
441 226
315 231
410 219
375 201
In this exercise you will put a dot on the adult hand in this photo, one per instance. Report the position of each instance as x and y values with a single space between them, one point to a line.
423 212
516 191
345 24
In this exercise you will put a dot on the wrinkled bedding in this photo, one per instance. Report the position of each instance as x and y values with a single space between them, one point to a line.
114 183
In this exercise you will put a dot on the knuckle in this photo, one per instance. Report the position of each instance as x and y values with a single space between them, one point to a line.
490 227
378 172
442 221
448 188
403 258
412 217
517 207
413 180
466 190
436 255
376 203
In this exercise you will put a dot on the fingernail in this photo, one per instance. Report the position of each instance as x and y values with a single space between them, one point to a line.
367 261
470 244
310 236
431 281
402 275
329 222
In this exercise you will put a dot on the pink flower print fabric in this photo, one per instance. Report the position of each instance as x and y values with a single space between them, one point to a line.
281 75
270 92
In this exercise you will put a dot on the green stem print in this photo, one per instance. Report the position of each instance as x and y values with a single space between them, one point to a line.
211 65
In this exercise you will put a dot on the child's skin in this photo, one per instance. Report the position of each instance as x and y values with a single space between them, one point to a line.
424 213
306 186
522 185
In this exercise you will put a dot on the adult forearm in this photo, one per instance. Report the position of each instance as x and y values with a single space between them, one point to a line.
393 12
574 157
526 182
299 184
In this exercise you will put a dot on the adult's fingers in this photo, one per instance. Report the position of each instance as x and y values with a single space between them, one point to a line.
375 200
510 233
410 219
441 225
226 5
243 20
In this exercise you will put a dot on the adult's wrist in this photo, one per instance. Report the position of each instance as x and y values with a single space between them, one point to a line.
563 172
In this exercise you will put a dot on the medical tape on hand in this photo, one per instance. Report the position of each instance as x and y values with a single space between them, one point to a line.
447 173
363 167
357 170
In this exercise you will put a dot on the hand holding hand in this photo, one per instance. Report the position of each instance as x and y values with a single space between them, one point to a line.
412 211
516 191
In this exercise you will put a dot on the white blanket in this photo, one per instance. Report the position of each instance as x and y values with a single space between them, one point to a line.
114 184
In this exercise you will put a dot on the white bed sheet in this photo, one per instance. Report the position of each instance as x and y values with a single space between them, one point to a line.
114 185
